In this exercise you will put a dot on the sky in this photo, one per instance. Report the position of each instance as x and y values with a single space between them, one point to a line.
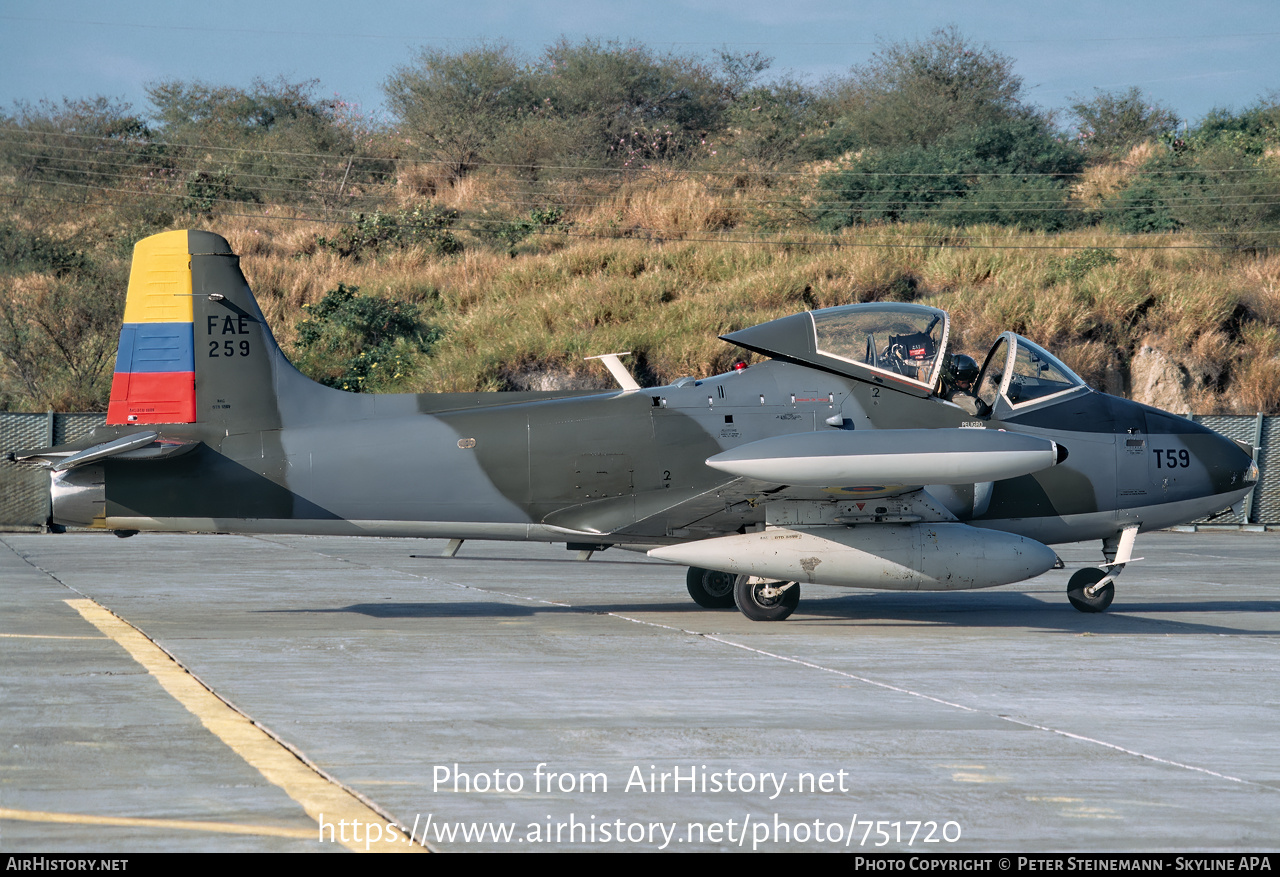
1188 55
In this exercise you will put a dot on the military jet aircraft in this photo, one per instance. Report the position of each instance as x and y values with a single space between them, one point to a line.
833 461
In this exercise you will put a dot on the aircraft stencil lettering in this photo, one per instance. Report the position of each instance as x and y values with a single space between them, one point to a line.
834 461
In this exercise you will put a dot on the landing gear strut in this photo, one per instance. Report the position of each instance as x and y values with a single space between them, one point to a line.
765 600
709 588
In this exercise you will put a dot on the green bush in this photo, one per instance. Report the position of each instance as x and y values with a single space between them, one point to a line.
1011 172
371 233
1078 265
205 192
1218 183
361 344
512 233
1143 207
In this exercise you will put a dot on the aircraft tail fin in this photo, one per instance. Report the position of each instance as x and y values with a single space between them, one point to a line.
194 346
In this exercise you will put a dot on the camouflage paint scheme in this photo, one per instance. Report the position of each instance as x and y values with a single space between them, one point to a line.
271 451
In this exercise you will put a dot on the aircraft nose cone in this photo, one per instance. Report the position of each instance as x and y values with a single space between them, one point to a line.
1232 464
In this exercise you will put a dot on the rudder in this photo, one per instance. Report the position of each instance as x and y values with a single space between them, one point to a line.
154 380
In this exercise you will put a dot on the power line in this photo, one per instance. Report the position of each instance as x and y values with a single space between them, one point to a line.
610 170
877 201
942 241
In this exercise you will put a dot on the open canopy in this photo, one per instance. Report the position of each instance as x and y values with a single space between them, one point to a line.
1021 374
891 343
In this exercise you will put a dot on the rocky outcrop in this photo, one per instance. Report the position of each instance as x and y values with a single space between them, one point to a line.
1157 379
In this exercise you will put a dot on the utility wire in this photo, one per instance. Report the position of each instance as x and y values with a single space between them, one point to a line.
590 169
946 240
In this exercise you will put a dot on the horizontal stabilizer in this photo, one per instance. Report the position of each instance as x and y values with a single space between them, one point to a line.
891 456
136 446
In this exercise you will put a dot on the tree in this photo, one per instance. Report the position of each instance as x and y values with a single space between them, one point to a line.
95 141
1252 130
914 93
631 105
456 106
1217 180
1114 122
273 142
774 125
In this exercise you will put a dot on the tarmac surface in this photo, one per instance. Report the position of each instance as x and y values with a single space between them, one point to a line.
381 674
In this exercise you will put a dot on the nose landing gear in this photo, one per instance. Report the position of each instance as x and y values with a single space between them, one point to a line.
1092 589
1087 591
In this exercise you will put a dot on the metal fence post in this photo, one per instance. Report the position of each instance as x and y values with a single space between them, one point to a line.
1257 446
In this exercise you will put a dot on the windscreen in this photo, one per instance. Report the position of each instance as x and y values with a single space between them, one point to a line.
1037 375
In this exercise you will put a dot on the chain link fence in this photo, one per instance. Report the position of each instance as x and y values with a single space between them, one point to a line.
24 490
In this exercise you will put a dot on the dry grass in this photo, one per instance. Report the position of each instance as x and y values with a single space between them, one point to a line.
1102 181
644 268
648 208
528 321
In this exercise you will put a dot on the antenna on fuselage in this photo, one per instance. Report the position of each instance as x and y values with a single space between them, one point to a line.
617 369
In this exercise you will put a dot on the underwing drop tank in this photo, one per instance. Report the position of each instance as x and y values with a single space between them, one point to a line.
910 557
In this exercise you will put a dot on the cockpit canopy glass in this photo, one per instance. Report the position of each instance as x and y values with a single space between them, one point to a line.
1038 374
900 340
896 344
1024 373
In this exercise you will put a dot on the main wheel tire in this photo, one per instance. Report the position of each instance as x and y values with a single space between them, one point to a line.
1087 578
710 588
753 602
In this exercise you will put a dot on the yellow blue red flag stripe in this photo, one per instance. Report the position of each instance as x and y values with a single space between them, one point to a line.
154 380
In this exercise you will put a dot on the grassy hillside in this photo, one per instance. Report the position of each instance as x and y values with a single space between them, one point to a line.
514 214
661 266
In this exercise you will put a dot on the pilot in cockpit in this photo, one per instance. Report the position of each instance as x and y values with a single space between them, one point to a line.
957 382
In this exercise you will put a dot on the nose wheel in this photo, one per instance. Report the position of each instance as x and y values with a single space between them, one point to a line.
1086 591
1092 589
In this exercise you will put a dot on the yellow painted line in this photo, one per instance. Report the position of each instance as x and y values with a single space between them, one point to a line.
323 800
42 636
180 824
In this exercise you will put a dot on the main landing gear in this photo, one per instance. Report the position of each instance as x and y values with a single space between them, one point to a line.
1093 589
764 599
758 599
710 588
